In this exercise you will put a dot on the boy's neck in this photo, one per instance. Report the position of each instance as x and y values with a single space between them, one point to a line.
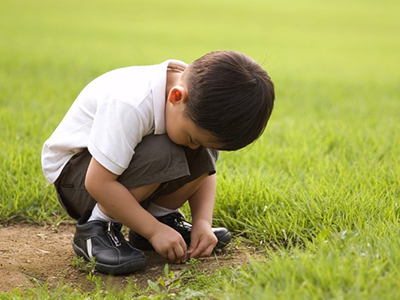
174 75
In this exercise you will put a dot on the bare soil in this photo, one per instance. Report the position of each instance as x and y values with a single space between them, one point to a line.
31 254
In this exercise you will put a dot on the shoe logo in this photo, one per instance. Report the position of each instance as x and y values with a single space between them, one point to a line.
89 247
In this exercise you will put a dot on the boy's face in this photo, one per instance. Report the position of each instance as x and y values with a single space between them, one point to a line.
181 129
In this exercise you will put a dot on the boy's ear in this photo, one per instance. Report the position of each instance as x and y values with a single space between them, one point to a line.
176 94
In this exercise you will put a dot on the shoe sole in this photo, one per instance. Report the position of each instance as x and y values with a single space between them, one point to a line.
126 268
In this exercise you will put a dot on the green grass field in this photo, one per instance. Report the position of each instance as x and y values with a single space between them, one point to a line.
319 193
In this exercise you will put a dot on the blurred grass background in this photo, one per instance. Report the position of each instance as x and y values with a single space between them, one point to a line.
335 62
323 181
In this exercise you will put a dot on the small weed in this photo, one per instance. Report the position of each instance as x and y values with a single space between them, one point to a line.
169 286
166 286
84 266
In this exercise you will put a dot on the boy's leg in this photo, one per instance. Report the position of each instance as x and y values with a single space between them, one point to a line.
164 203
156 160
139 193
178 198
164 208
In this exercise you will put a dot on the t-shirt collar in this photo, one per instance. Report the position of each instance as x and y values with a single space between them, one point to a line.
158 86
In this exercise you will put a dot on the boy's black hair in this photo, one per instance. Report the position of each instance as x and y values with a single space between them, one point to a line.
229 95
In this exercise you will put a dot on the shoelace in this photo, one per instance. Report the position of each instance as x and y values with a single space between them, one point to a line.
179 220
185 224
112 235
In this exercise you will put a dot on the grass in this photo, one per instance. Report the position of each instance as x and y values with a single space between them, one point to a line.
319 192
168 286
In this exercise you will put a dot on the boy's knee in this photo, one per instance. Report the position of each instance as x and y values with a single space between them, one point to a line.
158 151
157 159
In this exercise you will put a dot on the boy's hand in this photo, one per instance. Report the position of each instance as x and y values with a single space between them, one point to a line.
203 240
169 244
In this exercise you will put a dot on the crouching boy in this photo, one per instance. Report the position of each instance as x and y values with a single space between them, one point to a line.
139 142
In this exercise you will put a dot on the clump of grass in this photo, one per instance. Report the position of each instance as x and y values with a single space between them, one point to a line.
84 266
189 283
348 265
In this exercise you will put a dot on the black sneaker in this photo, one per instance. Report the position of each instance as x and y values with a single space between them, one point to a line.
105 242
177 221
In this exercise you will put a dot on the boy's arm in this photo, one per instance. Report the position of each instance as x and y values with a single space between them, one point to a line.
203 240
122 206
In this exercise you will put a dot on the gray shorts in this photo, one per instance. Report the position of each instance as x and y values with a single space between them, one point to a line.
157 160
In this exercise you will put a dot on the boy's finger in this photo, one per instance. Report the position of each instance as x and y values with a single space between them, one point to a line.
179 253
171 255
199 249
208 251
193 244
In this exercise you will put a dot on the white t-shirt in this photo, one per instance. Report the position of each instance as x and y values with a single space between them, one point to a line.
110 117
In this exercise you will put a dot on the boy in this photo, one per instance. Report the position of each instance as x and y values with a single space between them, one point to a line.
139 142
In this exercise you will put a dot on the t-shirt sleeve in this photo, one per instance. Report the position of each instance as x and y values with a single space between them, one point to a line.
117 129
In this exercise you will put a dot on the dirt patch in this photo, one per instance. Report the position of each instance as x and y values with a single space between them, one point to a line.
32 254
